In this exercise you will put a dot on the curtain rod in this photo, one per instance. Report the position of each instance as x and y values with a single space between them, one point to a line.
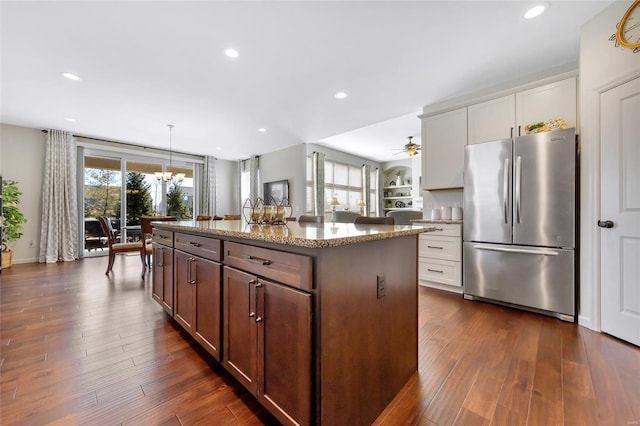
130 144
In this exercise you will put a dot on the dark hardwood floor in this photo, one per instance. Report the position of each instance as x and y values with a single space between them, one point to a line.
78 347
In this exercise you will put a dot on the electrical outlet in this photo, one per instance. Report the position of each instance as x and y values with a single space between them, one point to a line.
31 243
381 285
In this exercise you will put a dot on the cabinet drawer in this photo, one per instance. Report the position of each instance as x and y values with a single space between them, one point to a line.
445 248
209 248
287 268
161 236
440 271
448 229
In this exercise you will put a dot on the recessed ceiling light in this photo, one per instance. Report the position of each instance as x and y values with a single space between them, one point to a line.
535 11
340 95
71 76
262 129
232 53
218 147
71 120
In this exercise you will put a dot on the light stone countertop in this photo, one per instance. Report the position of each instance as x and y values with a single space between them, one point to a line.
309 235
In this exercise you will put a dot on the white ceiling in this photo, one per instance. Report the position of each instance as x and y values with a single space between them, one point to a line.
148 64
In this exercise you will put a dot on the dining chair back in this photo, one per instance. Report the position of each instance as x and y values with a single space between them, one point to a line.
231 217
202 217
405 217
147 232
342 216
116 247
377 220
307 218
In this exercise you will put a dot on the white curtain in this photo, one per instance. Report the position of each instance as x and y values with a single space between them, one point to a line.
366 188
59 226
318 183
254 169
208 206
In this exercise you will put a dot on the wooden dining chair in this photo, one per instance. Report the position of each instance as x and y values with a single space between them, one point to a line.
115 247
307 218
231 217
377 220
147 232
202 217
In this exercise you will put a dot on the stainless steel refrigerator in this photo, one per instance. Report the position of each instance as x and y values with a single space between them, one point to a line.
520 222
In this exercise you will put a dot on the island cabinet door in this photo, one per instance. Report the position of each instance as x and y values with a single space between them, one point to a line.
240 331
197 306
162 271
206 275
283 319
184 304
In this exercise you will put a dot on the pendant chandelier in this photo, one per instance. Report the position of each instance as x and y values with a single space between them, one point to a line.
168 175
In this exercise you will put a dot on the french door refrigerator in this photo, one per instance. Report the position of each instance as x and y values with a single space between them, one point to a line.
519 232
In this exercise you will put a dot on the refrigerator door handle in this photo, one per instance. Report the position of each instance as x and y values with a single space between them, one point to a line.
505 190
517 185
516 250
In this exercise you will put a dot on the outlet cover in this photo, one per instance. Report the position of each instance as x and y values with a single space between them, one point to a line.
381 285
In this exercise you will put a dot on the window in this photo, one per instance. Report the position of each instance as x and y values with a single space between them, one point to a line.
125 187
343 182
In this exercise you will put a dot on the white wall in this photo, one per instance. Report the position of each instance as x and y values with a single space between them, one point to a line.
22 160
602 66
227 187
288 163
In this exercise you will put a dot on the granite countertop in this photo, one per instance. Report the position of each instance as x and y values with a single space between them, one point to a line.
310 235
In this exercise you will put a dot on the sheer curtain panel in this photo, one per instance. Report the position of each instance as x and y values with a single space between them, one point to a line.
318 183
59 226
208 205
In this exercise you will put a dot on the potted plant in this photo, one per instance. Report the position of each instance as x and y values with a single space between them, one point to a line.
13 219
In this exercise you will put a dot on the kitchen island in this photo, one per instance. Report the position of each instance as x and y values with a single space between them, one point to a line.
318 321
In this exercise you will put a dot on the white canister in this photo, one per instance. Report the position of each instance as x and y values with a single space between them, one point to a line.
456 213
435 214
445 212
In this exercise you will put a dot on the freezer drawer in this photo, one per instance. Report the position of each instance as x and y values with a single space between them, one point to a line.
540 278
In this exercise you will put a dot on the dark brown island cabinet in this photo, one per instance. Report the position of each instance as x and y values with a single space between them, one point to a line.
197 288
162 270
318 322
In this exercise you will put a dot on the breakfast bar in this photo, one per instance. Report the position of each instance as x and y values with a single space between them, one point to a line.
317 321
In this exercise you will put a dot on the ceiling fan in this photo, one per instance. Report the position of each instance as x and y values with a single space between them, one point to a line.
410 148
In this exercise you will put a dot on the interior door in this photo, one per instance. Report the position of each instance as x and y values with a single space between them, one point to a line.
620 211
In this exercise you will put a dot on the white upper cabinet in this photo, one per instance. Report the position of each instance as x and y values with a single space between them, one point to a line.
492 120
444 137
555 100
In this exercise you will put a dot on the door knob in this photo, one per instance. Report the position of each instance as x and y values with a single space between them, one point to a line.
605 224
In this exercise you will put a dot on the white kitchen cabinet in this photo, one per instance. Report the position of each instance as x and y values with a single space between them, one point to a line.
507 116
444 137
554 100
491 120
440 256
